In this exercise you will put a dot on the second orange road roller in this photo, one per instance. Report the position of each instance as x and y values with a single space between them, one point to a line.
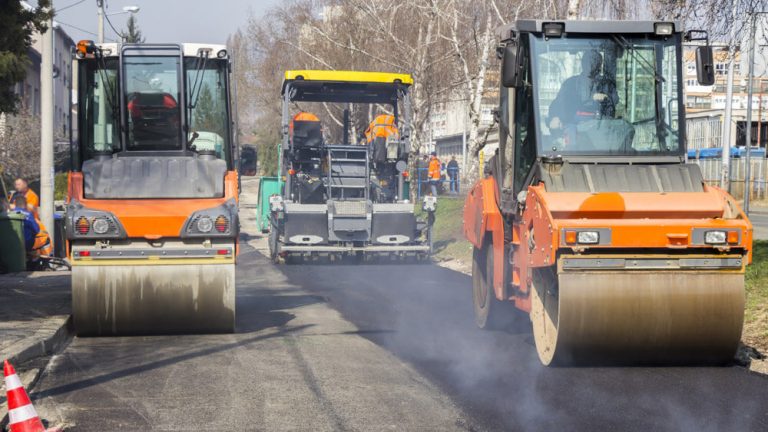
152 213
589 217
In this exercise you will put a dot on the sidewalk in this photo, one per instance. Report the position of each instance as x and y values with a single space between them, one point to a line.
34 313
34 322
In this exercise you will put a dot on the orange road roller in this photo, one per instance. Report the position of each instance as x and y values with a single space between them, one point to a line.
152 220
589 217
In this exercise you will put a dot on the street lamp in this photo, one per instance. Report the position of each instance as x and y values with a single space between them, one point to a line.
100 13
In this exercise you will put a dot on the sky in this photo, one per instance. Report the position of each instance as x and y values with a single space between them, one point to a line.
205 21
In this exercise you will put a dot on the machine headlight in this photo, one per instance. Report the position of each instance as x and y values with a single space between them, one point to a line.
204 224
84 223
220 221
430 203
664 28
100 225
588 237
715 237
393 147
275 203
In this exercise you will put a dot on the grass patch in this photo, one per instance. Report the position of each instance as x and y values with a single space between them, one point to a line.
60 187
756 316
449 241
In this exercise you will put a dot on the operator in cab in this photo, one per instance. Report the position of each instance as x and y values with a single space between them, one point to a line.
377 133
586 96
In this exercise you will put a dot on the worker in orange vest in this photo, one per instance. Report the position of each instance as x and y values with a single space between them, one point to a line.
382 126
22 189
433 173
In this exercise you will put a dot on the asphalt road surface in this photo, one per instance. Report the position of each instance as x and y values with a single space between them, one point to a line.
373 347
423 314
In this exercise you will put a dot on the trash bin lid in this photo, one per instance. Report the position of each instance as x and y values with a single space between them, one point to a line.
12 216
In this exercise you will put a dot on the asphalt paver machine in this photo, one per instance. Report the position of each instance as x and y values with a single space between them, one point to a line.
152 214
348 197
589 217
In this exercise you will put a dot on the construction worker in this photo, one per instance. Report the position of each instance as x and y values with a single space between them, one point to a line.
433 173
31 227
381 128
588 95
305 130
22 189
453 174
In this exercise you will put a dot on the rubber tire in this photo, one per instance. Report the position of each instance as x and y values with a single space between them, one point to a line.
490 313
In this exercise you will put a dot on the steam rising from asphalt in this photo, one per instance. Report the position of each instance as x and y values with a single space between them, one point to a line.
424 315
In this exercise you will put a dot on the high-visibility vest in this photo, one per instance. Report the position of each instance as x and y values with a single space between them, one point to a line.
382 126
434 168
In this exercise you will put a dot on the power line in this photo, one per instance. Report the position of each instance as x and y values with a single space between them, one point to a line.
82 30
113 27
67 7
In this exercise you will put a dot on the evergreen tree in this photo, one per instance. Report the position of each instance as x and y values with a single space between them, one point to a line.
133 33
208 116
16 27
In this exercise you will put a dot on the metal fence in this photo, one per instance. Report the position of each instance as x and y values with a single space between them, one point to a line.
710 169
758 189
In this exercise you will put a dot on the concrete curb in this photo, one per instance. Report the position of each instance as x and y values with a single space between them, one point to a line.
42 345
31 348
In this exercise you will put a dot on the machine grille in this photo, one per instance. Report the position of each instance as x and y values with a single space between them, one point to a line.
350 208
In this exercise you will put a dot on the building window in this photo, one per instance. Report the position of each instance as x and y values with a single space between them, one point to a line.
721 68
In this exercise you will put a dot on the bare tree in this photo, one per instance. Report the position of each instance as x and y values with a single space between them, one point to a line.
383 35
20 147
446 45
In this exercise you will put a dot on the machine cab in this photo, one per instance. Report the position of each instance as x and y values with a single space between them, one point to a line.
594 92
153 121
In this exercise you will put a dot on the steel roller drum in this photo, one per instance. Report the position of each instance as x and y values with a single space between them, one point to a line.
637 317
153 299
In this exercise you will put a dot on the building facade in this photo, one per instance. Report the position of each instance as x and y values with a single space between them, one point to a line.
705 105
29 89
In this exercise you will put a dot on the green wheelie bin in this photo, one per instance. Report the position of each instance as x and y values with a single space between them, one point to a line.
13 254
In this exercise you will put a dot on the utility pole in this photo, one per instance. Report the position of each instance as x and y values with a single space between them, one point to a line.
725 140
747 170
751 76
100 138
100 15
46 131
